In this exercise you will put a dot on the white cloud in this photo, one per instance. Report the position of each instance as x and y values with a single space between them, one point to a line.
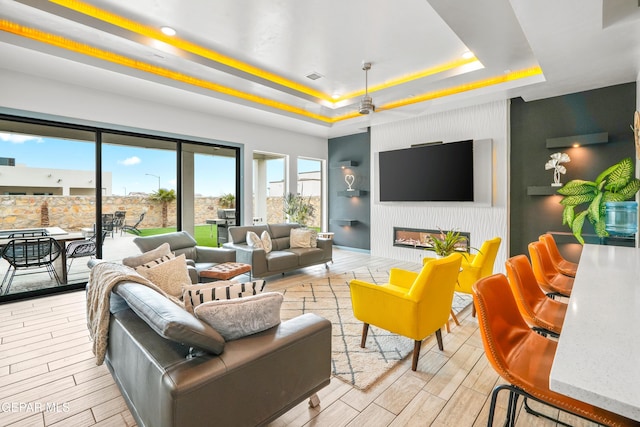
130 161
19 139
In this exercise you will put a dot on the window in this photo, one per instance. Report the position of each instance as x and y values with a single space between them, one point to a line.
269 187
310 184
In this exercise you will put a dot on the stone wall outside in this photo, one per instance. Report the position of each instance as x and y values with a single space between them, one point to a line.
73 213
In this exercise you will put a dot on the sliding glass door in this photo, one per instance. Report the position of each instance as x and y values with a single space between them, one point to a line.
140 193
210 187
47 205
69 193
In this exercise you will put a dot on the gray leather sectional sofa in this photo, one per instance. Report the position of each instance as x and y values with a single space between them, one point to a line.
176 371
282 258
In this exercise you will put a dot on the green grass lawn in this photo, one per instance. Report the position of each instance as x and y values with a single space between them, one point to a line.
201 234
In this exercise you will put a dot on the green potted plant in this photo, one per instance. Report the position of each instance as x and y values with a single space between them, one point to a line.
615 184
446 243
298 209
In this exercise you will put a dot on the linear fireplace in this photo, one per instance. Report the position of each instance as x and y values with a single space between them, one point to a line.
419 238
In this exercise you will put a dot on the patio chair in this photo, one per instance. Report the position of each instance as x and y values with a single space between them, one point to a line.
133 228
83 248
118 220
29 253
108 223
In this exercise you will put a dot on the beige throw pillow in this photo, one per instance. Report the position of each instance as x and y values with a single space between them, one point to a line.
314 238
300 238
170 276
137 260
253 240
267 244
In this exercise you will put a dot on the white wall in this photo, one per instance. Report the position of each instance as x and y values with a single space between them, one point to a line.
43 98
487 121
62 182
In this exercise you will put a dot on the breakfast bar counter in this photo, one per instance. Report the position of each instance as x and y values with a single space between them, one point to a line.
597 356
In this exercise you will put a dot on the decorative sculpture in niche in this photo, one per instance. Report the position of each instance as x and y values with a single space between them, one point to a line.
556 164
349 179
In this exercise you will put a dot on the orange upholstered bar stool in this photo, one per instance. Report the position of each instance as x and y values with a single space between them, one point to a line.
545 315
523 358
564 266
550 280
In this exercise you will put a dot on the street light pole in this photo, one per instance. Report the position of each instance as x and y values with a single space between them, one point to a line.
150 174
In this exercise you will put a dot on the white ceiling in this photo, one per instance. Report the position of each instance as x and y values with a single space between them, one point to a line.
577 45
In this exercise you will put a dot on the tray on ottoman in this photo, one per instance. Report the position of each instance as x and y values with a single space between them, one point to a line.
226 271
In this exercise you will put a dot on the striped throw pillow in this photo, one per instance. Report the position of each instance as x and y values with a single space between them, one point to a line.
194 295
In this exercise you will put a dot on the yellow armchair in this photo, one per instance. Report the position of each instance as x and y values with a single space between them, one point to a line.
413 305
474 267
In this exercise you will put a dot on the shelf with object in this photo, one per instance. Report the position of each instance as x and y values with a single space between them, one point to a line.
352 193
542 190
343 222
344 164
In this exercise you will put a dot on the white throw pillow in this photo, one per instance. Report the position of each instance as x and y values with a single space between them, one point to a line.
170 276
267 244
239 317
194 295
300 238
253 240
314 238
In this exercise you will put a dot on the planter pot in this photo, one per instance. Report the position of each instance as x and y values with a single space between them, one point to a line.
621 218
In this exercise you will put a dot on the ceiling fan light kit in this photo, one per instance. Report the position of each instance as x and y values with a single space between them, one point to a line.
366 103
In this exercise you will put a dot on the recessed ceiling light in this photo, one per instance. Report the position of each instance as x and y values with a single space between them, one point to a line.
168 31
335 96
468 55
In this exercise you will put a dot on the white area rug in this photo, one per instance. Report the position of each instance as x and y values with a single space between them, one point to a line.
330 298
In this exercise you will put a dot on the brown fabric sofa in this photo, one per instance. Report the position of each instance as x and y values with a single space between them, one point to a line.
282 258
155 354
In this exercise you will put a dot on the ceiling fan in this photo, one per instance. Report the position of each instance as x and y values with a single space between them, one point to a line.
366 103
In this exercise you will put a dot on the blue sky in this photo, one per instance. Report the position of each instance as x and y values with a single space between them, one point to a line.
130 166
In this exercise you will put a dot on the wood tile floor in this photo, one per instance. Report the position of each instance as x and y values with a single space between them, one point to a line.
48 376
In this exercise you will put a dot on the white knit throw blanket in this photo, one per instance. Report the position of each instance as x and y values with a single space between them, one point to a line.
103 277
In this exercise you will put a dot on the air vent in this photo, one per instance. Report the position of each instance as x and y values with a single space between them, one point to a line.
314 76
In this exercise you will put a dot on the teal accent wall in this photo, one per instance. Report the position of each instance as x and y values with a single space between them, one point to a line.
350 212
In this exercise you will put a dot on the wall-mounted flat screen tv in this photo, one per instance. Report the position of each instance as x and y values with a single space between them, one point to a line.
429 173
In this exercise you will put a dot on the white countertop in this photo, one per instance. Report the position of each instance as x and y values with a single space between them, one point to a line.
598 355
55 231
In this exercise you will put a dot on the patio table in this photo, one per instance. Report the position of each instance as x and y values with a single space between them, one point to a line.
57 233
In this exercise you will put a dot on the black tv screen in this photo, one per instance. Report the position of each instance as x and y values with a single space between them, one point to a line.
430 173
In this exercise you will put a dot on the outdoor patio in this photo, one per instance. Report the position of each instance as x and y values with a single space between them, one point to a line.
114 249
